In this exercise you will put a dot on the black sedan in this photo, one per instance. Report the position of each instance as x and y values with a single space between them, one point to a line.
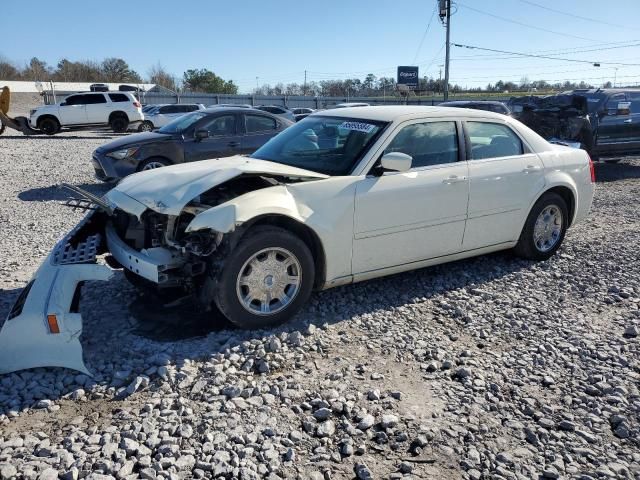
204 134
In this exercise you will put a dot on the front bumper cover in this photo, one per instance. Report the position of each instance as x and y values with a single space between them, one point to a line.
43 328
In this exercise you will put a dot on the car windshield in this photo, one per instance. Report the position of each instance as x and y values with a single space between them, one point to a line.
328 145
594 100
183 122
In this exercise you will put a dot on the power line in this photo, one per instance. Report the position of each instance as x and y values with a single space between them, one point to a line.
563 51
545 56
573 15
433 13
504 19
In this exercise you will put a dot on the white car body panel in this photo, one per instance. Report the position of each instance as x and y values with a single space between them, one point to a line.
26 340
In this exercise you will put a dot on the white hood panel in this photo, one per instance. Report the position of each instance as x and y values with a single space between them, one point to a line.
167 190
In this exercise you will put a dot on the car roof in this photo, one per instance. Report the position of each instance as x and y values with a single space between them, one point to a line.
253 111
473 102
389 113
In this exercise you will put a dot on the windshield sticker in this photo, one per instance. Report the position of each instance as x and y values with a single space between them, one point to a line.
357 126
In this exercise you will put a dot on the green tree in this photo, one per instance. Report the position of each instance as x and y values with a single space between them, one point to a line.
203 80
117 70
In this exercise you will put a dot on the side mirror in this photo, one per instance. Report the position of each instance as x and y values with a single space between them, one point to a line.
201 134
396 162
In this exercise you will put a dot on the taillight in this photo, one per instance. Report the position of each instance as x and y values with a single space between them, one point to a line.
137 104
592 170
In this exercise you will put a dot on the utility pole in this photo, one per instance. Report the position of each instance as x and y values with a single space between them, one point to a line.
448 46
257 84
304 90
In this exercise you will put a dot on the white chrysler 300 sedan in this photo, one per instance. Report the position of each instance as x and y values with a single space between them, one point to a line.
342 196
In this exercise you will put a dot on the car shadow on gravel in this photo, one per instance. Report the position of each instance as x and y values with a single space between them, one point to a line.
58 193
612 172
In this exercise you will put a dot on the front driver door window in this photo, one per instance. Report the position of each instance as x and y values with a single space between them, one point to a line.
73 111
416 215
223 140
613 128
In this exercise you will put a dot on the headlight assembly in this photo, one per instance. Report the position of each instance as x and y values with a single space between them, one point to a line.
124 153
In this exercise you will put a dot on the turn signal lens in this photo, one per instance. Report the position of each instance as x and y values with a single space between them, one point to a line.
52 320
592 170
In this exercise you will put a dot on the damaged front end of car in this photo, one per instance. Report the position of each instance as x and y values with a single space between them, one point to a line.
562 119
169 230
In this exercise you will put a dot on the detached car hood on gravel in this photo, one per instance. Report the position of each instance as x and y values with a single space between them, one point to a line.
167 190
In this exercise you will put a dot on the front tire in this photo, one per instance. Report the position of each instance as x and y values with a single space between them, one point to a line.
266 279
49 126
544 229
153 163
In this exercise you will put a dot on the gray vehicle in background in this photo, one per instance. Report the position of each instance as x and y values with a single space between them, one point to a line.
199 135
278 110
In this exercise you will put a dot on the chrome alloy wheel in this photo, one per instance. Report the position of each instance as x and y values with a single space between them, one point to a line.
152 165
269 281
548 228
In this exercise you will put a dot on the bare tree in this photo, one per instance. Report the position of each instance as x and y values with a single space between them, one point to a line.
160 76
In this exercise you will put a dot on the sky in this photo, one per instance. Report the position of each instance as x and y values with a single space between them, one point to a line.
277 40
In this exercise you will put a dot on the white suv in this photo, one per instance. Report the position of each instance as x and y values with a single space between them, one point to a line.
116 109
160 115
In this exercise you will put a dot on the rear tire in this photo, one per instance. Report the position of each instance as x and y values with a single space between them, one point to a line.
49 126
146 126
266 279
119 123
544 229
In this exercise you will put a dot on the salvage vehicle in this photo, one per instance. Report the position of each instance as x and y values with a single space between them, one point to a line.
605 122
118 110
340 197
203 134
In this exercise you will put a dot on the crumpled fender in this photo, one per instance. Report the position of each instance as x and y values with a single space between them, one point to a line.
27 338
276 200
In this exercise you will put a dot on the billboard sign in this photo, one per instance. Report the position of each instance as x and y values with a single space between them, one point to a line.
408 76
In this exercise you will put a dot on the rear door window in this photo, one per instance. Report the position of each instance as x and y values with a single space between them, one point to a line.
259 123
94 99
118 97
492 140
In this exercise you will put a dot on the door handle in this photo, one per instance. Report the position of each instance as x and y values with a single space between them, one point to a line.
234 144
531 169
454 179
628 120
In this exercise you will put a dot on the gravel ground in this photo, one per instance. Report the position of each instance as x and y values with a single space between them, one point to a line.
492 368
